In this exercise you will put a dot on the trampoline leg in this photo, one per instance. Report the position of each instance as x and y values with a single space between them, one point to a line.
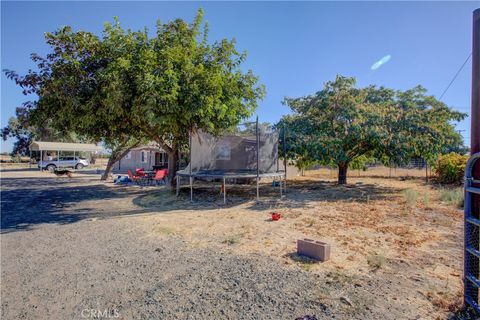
281 187
258 191
224 192
191 189
178 185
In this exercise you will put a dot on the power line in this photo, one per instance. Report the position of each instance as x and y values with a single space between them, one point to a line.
456 75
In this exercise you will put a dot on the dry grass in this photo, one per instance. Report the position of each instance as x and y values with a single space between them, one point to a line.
365 223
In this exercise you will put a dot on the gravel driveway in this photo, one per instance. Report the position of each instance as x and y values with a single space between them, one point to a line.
59 262
77 249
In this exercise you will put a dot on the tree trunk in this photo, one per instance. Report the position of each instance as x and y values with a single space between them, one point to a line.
108 169
342 173
172 166
116 156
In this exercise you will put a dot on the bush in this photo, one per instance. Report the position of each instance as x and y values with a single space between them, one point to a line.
376 261
452 196
410 197
451 168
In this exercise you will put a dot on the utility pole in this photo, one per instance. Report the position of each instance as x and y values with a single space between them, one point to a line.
475 115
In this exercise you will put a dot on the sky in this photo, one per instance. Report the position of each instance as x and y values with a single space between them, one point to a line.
294 47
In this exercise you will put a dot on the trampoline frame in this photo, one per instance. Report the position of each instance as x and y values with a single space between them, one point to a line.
235 174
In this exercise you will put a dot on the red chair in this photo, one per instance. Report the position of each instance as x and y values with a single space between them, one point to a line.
161 176
133 177
140 172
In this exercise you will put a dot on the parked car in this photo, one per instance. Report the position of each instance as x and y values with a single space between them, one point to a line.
64 162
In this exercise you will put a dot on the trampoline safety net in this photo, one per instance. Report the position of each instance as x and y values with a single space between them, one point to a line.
235 152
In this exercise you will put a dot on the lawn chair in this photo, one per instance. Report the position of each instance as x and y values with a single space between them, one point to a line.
140 172
161 176
134 178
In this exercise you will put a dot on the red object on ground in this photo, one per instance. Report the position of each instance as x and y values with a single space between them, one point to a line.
140 172
133 177
161 175
275 216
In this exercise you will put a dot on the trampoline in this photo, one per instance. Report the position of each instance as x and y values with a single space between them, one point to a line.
246 154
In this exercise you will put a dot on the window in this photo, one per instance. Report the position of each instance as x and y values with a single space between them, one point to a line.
144 157
128 155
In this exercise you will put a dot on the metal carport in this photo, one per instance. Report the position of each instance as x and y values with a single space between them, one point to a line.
62 146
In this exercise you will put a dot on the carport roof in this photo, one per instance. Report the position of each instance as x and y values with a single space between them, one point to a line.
62 146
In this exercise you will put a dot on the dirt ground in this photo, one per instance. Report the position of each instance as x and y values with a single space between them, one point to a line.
74 248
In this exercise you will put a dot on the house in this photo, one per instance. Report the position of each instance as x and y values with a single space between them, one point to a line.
149 156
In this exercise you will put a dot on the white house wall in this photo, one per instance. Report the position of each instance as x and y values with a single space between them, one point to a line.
135 161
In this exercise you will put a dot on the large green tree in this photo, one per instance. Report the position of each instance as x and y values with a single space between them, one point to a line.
189 84
341 123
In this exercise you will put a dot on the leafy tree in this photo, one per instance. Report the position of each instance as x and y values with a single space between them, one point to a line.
125 88
84 86
188 84
341 123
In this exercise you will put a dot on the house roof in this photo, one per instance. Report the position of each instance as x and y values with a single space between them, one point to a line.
62 146
151 146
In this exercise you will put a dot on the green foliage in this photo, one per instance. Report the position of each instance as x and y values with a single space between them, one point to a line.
187 83
450 168
360 162
125 88
341 123
453 196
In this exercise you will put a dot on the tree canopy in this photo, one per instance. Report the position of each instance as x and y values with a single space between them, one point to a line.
341 123
187 83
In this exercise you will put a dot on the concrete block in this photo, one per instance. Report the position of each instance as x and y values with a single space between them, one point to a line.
313 249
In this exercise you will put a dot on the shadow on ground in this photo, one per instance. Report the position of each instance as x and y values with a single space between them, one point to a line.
29 201
299 194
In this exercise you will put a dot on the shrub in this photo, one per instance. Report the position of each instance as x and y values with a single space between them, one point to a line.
452 196
450 168
410 197
376 261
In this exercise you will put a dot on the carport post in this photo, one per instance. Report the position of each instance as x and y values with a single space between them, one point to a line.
74 160
30 158
58 159
41 159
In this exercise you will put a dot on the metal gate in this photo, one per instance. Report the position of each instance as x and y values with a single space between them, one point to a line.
472 226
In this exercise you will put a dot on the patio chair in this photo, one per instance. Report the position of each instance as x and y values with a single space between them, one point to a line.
134 178
140 172
161 176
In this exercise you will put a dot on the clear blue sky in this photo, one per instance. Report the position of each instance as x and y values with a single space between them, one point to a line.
293 47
